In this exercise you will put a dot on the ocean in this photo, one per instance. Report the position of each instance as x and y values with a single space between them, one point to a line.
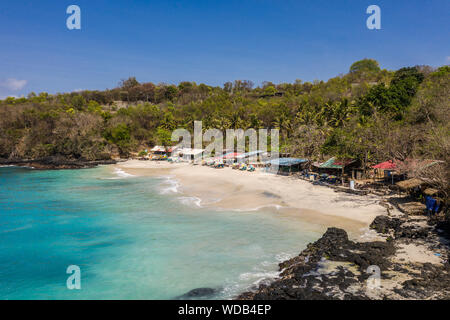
132 238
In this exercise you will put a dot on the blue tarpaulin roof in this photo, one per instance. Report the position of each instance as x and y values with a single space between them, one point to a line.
287 161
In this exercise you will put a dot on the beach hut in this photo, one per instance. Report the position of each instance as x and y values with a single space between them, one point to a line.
159 153
414 187
387 165
410 184
158 150
188 154
287 166
386 170
341 168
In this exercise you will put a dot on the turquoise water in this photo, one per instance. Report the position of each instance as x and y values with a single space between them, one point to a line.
132 237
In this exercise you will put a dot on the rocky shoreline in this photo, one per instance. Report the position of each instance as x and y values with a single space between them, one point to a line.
55 163
335 268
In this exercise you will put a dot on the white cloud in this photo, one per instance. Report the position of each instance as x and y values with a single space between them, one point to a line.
448 58
14 84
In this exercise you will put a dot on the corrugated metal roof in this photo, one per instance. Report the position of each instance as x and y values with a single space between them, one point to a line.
287 161
333 164
388 165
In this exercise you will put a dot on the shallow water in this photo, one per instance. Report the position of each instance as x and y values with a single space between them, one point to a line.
132 237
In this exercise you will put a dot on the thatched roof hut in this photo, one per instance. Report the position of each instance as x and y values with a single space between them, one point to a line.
410 184
431 191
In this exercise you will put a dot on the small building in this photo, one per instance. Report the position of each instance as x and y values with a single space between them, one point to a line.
387 165
188 154
410 184
158 153
286 166
387 170
158 150
341 168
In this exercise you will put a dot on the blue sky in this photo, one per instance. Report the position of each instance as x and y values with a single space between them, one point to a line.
210 41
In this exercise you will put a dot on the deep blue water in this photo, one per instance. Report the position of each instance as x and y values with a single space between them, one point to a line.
132 237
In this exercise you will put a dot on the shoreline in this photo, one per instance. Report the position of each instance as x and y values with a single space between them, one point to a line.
54 163
227 189
411 252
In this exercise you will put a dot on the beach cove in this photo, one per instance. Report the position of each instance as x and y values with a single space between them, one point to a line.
364 234
155 230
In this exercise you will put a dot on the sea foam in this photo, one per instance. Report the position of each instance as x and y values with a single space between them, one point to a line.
170 186
120 174
191 201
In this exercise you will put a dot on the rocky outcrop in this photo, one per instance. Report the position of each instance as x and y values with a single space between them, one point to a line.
432 282
402 228
334 267
385 225
56 163
198 293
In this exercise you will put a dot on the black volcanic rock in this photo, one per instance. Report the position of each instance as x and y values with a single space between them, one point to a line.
198 293
334 267
56 163
302 276
384 224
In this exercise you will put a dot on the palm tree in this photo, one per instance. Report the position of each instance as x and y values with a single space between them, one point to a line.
283 123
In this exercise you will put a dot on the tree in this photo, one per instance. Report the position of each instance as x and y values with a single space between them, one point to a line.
397 114
148 91
365 66
171 92
307 141
228 87
270 91
120 136
78 102
164 136
128 83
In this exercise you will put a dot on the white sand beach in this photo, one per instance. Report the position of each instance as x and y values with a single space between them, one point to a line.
249 191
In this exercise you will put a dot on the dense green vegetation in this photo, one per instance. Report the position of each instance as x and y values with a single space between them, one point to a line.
368 113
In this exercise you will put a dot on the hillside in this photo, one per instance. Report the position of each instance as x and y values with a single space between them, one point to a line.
369 113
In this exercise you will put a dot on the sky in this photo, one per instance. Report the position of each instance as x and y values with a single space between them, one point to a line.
210 41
